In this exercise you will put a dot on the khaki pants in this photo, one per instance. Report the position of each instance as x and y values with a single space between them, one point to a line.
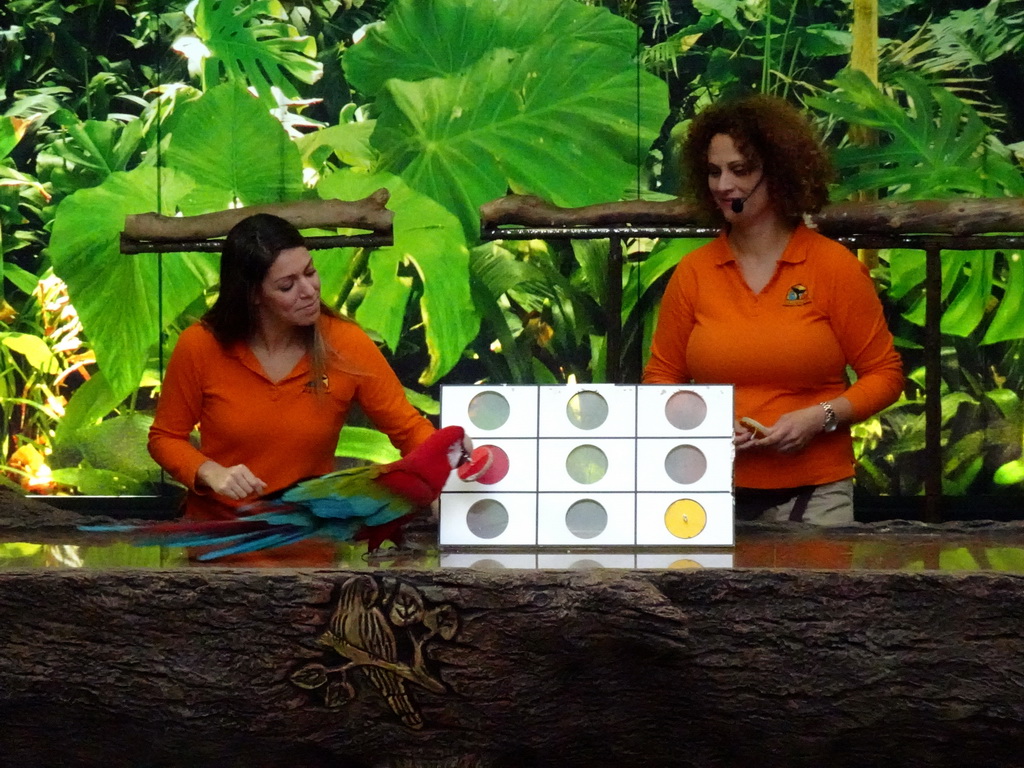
829 504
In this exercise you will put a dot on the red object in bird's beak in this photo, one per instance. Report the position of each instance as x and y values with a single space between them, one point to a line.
488 464
479 462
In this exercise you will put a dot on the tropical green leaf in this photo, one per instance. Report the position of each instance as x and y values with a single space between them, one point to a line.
235 150
350 142
429 238
1008 321
423 402
499 272
35 351
1010 473
382 308
90 152
116 295
935 146
664 258
92 400
1006 400
561 119
495 321
366 444
100 482
9 135
423 40
117 444
823 40
727 10
240 44
24 280
976 36
967 309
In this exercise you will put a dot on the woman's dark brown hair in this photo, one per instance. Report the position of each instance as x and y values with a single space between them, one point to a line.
771 133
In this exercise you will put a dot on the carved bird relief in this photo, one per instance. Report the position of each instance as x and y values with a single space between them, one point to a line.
363 629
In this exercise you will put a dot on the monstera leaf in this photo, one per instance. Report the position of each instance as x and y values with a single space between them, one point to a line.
236 41
560 116
430 239
938 147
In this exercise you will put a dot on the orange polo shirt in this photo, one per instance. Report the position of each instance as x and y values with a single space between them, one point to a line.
282 431
783 349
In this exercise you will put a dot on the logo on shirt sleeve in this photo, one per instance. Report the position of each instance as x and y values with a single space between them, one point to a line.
797 296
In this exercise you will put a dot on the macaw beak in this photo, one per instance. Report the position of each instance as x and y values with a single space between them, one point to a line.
467 450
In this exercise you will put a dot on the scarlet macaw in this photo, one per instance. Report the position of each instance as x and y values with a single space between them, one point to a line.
368 503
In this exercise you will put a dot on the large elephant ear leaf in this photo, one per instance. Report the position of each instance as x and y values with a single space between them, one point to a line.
936 146
564 114
240 44
565 126
236 150
116 295
417 41
430 239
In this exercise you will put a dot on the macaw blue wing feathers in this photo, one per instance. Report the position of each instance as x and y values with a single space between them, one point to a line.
361 503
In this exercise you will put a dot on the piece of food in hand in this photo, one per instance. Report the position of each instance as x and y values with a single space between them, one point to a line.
759 429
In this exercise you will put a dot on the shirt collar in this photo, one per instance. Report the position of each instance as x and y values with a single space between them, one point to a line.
793 254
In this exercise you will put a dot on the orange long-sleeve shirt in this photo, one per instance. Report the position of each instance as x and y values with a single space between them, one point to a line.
282 431
783 349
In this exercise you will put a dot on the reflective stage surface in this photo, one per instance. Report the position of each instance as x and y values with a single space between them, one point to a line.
908 547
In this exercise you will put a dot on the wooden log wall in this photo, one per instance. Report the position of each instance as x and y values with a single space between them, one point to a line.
746 667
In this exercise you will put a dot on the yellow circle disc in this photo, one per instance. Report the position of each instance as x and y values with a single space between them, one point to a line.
685 518
685 563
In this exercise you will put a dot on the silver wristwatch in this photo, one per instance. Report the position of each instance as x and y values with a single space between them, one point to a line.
831 420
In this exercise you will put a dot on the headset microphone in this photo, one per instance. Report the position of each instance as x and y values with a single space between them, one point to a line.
738 202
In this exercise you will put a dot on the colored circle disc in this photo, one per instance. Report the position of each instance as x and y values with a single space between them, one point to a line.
685 518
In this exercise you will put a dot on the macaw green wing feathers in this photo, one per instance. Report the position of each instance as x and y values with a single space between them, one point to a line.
362 502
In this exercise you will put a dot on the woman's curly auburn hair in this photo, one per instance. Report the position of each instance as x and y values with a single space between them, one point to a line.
771 133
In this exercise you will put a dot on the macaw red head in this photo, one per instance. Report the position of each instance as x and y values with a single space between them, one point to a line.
455 443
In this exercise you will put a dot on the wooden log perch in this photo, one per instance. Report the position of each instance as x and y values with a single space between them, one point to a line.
953 217
528 210
574 669
370 213
968 216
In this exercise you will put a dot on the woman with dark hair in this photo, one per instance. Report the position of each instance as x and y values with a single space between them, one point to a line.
269 375
777 310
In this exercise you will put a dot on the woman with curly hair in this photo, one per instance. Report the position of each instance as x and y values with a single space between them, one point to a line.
777 310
